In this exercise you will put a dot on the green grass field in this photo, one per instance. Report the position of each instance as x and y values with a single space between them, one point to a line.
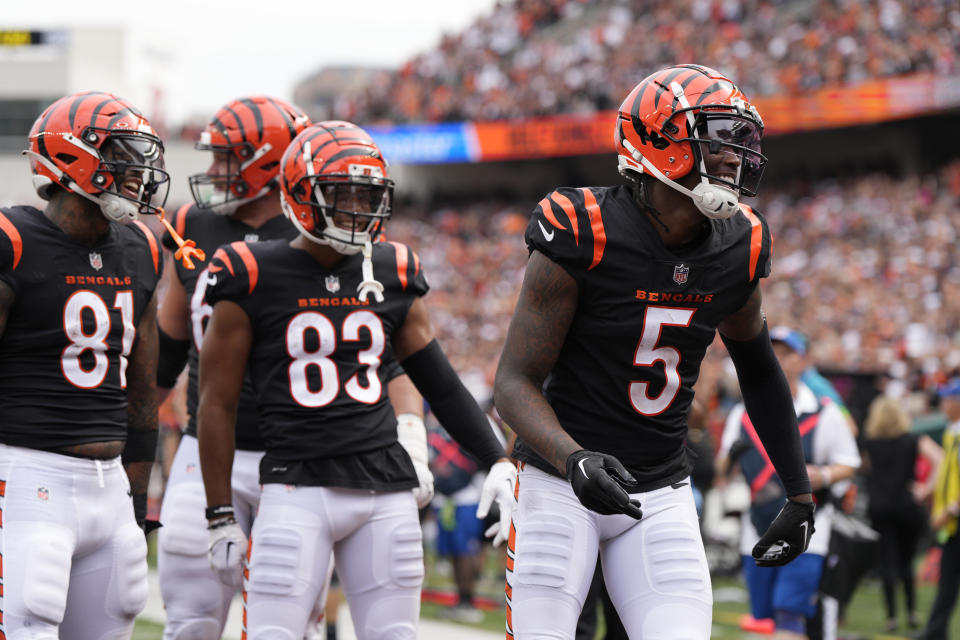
865 616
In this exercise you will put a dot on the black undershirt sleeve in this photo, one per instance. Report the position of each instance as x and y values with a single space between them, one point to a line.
769 403
455 408
173 358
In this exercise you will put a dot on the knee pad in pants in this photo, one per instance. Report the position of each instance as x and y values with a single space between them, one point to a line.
184 530
47 575
200 629
129 582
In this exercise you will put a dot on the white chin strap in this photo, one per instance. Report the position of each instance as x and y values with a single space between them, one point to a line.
712 200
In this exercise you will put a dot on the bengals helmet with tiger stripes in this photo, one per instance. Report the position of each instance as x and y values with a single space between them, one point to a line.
251 134
102 148
680 116
334 186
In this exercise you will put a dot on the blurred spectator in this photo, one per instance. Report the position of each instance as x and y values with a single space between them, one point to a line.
459 532
533 57
946 510
788 594
895 511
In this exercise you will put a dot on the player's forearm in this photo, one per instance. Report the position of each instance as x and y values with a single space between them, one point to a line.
452 404
522 406
769 403
217 444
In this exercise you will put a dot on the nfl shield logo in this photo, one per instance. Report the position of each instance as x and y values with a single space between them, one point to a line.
332 283
43 494
96 260
680 273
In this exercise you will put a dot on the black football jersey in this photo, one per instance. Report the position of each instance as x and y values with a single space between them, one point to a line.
623 382
317 359
63 355
209 231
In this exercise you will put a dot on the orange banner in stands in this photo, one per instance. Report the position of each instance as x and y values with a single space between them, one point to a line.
548 136
870 102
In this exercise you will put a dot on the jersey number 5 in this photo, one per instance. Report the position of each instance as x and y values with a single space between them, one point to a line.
95 341
320 358
648 354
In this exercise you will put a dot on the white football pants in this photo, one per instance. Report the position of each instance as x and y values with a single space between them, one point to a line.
655 569
197 603
376 541
73 561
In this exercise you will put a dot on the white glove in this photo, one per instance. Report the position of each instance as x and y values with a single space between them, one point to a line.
412 436
499 486
228 547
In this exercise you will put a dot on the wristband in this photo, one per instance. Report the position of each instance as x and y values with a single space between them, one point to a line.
825 475
219 511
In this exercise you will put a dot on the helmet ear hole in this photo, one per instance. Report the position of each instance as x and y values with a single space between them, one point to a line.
66 158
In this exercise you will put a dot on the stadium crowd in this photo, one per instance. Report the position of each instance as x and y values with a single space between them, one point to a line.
867 267
538 57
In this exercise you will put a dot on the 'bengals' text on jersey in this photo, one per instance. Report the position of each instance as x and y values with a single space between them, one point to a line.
317 359
623 382
63 355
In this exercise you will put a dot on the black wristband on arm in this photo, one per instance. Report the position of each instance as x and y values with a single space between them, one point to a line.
141 446
173 358
140 508
769 403
455 408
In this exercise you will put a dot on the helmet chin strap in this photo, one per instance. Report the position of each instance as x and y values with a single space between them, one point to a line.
711 200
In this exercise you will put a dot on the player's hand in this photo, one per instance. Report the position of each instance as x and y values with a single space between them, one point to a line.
424 493
600 482
787 537
499 485
228 546
412 436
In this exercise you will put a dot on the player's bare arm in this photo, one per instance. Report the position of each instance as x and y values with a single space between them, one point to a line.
745 323
223 360
140 450
545 309
404 396
7 298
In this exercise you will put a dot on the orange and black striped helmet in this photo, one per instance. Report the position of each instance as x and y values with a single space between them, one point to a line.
675 117
248 137
102 148
334 185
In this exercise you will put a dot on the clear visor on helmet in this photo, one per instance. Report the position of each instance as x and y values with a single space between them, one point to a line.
222 184
355 207
728 146
135 162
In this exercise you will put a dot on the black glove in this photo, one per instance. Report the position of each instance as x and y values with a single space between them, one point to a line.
787 537
599 481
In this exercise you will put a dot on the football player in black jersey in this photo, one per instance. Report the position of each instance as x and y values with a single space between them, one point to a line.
236 199
624 291
78 356
313 319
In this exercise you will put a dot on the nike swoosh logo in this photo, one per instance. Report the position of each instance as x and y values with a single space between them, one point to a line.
580 464
804 526
229 544
546 234
677 485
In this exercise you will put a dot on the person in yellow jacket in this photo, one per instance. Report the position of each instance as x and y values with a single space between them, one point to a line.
945 514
